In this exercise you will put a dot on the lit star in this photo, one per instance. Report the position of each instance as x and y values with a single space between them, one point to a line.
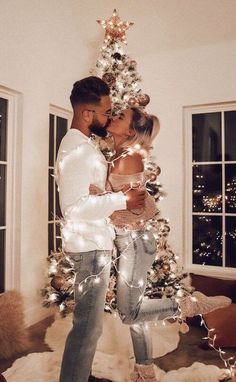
115 28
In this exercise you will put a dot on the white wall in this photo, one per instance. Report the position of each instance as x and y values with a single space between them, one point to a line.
46 45
202 75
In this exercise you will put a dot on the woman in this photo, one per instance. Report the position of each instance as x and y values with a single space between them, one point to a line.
133 133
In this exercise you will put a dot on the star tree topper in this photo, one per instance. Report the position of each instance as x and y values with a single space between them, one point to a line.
115 28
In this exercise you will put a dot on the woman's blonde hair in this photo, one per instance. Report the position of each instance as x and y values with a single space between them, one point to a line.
145 128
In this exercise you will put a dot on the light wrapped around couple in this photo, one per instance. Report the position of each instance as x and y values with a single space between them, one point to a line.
88 238
136 246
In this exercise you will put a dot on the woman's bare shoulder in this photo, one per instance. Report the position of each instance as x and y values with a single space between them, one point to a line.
130 164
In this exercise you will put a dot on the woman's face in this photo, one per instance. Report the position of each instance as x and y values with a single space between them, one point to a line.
121 125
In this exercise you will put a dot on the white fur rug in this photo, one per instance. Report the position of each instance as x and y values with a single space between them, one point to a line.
114 356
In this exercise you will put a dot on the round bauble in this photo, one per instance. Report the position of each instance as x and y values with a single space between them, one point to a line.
143 99
132 64
121 66
109 296
57 282
166 267
109 78
152 177
157 170
132 101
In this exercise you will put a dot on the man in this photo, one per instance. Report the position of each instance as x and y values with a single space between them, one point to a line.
87 238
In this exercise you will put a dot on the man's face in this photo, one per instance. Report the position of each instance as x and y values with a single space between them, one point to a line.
101 117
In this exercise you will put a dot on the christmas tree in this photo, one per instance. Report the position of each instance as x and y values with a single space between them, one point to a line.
165 278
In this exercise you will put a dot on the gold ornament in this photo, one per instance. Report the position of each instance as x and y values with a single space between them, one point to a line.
152 177
120 66
115 28
132 64
157 170
109 296
57 282
166 267
132 101
143 99
109 78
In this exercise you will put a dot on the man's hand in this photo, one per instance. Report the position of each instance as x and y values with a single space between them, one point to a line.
134 198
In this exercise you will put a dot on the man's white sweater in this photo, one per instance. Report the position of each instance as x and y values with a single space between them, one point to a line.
79 165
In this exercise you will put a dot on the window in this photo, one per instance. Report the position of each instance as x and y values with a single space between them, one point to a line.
3 174
210 189
10 182
58 125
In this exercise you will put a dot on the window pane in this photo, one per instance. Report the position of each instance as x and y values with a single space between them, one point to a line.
58 210
230 188
206 137
51 140
207 188
61 131
230 135
231 241
207 240
50 194
50 238
3 129
2 259
58 235
2 194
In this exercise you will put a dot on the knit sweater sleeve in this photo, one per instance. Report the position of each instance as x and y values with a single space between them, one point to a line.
75 174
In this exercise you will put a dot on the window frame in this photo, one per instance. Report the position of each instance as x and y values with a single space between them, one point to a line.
208 270
56 111
13 187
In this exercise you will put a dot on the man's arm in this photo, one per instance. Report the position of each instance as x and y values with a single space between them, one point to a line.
75 174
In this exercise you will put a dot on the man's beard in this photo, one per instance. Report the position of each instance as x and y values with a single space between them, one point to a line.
97 128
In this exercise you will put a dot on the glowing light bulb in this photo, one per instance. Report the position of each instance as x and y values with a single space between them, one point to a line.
141 283
137 146
53 297
61 307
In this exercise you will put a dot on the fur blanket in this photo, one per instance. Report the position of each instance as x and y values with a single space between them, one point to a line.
13 335
114 356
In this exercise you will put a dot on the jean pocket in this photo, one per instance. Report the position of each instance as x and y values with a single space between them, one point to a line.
76 259
149 243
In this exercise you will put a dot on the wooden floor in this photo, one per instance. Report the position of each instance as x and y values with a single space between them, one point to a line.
191 349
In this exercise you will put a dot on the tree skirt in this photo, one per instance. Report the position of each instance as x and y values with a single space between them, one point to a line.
114 356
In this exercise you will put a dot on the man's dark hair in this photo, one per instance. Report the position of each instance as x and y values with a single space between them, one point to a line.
88 90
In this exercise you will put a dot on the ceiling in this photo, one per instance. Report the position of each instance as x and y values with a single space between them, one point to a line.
163 24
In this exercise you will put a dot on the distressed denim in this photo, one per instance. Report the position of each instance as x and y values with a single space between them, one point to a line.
82 340
136 251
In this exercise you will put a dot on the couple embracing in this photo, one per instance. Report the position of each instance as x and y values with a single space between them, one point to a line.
101 204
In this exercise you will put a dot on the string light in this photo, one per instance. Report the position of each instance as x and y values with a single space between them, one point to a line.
229 362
